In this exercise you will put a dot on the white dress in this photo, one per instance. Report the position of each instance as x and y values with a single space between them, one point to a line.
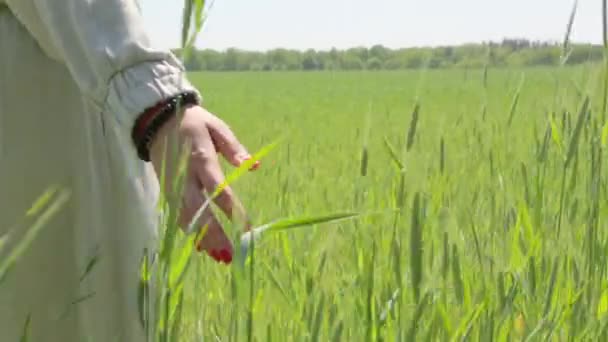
74 75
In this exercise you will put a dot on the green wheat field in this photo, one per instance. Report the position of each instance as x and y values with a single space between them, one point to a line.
481 194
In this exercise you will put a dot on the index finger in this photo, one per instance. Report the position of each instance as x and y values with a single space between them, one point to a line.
226 143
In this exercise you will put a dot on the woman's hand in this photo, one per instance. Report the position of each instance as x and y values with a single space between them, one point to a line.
205 136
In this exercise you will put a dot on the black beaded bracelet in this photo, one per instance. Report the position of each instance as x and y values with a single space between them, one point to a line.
142 141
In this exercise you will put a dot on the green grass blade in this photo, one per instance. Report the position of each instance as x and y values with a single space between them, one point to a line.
25 336
551 289
442 156
566 44
420 308
90 265
186 20
364 161
337 334
182 264
318 320
457 275
309 221
273 278
515 101
177 319
370 303
393 154
411 134
365 150
416 249
574 141
59 200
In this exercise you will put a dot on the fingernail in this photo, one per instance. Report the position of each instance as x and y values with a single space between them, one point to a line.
215 255
225 256
255 166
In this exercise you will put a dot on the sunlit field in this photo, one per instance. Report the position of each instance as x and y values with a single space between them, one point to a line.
482 194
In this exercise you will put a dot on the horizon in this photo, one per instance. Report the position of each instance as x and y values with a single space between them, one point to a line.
554 42
271 24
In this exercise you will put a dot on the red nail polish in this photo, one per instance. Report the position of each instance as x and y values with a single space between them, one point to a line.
255 166
225 256
215 255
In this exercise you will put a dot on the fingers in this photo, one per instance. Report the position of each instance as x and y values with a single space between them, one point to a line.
227 144
215 242
205 165
213 239
192 200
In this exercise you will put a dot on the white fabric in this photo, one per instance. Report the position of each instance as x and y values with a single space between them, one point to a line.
74 74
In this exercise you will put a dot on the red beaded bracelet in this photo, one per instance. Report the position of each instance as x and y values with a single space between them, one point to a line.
144 119
150 121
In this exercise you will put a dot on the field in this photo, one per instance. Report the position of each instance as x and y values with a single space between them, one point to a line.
482 197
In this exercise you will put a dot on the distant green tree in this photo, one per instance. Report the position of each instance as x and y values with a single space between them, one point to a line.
585 53
211 60
508 52
231 60
334 57
310 61
535 57
193 62
393 64
278 59
350 61
361 53
379 52
374 64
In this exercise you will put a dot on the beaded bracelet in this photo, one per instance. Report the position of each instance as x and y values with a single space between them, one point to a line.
148 123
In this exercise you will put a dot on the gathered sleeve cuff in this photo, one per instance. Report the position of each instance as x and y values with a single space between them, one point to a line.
134 89
109 55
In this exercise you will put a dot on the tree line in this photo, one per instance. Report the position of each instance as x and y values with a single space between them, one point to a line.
509 52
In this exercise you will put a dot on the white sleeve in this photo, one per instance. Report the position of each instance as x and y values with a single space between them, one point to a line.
108 53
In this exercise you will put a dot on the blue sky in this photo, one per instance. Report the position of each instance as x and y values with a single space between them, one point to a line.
322 24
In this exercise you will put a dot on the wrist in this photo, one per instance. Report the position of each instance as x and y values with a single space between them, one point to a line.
157 120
